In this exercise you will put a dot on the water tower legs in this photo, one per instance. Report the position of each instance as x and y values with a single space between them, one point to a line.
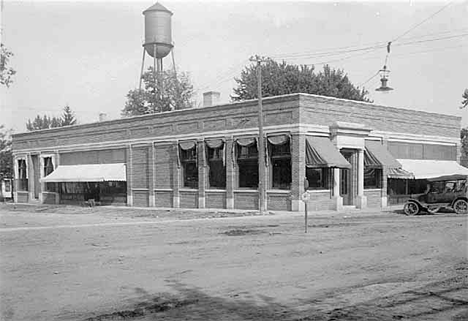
142 68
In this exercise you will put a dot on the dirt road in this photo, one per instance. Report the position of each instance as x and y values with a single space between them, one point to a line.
115 266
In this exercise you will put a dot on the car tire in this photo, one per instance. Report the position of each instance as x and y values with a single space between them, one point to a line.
411 208
460 207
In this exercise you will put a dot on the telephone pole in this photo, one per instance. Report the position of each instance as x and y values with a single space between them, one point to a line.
261 142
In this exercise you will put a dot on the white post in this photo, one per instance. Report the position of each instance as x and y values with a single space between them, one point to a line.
336 189
361 198
41 176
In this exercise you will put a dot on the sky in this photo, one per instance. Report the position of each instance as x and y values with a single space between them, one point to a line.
88 54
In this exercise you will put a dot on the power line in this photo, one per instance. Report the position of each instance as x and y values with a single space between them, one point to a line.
372 48
370 78
346 49
428 18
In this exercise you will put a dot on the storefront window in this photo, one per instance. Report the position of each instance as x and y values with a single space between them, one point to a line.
188 158
22 175
372 178
281 165
247 161
318 178
48 166
217 169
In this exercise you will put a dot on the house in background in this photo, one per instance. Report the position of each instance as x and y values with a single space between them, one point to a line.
352 153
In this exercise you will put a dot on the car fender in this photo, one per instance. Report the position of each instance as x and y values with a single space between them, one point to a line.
416 202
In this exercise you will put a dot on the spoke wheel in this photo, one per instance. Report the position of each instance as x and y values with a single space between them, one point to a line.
411 208
461 207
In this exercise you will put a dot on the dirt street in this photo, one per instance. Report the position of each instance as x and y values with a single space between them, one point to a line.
61 264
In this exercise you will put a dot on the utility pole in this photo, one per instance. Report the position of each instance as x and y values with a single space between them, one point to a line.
261 142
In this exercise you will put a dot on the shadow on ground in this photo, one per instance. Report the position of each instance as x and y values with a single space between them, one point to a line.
444 300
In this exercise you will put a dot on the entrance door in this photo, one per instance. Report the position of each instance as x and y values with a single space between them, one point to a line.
345 181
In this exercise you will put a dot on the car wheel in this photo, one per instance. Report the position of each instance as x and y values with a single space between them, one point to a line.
411 208
461 207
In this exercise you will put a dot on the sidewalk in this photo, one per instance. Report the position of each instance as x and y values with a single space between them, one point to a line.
184 214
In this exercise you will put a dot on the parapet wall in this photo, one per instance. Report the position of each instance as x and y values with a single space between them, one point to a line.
325 111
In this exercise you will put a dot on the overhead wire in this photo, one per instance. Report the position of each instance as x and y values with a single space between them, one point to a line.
385 70
417 25
338 51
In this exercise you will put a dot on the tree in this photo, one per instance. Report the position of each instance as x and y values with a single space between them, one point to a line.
6 72
6 156
465 99
46 122
68 117
282 78
176 94
464 146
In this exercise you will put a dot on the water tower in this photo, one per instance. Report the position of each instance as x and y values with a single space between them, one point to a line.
158 38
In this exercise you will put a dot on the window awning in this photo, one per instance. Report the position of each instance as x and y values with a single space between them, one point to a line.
320 152
425 169
278 139
87 173
399 173
246 142
376 155
215 142
188 145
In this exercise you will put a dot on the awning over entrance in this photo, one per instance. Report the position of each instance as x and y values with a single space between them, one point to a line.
425 169
87 173
320 152
376 155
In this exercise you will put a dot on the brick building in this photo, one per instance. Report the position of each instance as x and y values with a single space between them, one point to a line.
352 153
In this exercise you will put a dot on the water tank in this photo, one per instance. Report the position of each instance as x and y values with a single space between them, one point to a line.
158 30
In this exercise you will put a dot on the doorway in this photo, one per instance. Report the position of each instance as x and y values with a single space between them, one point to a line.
346 180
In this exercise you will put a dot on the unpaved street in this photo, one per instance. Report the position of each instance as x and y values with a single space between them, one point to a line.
119 266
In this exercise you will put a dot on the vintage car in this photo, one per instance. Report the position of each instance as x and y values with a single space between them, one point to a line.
444 192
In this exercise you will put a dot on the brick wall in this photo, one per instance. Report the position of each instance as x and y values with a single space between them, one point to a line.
320 200
140 176
163 198
403 150
374 198
153 174
23 197
215 199
325 111
162 166
188 199
48 198
106 156
277 111
246 200
279 201
140 198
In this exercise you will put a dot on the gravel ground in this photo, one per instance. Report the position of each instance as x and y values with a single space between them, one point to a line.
71 263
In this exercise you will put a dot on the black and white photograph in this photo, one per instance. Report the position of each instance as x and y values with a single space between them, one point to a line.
231 160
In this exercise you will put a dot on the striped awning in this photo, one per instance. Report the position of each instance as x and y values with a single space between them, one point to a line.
87 173
320 152
376 155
